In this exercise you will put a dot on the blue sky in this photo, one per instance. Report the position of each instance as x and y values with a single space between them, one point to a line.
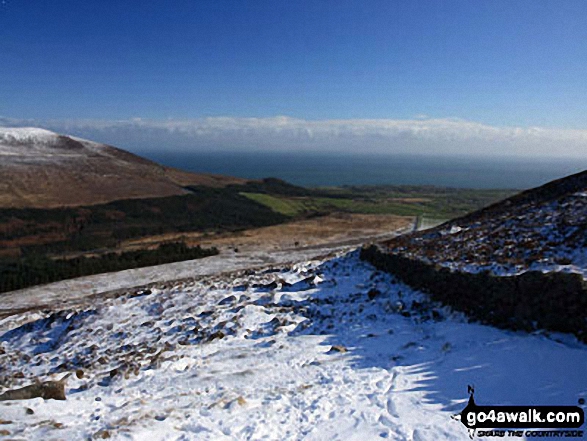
501 63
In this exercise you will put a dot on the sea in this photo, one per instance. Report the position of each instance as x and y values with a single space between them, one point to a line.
324 170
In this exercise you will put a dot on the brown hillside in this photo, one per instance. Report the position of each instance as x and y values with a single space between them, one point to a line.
41 169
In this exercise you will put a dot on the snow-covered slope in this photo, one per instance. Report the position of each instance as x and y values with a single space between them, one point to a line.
24 136
541 229
319 350
33 145
41 169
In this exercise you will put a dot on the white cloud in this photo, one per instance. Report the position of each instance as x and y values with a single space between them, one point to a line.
418 135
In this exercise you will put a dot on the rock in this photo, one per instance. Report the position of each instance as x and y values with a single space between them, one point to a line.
140 293
218 335
4 432
102 434
29 411
221 325
227 300
79 373
61 368
131 370
373 293
337 348
275 322
266 287
48 390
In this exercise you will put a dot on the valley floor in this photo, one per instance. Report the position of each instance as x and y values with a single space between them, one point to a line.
323 349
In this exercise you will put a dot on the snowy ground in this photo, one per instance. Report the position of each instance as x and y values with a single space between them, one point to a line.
73 291
261 355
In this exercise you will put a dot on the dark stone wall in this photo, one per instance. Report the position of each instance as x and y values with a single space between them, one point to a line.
529 301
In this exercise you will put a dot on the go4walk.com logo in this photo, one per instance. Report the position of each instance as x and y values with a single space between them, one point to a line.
515 421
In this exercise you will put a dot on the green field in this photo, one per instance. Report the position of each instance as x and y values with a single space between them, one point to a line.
430 202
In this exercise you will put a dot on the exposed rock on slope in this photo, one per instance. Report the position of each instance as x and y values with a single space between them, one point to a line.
521 263
41 169
540 229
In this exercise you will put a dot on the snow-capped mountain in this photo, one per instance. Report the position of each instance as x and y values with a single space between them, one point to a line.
42 169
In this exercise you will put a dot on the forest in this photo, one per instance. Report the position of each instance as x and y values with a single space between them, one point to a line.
35 269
